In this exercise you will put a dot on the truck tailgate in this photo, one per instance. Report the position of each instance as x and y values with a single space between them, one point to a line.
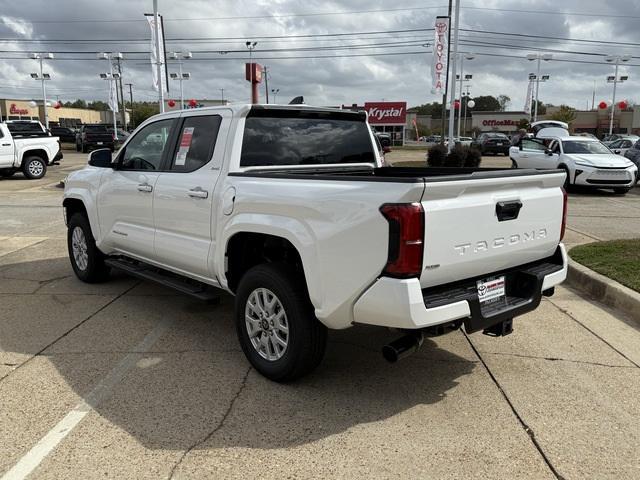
475 226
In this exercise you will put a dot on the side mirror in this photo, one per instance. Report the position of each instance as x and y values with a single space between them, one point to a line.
616 152
548 152
101 158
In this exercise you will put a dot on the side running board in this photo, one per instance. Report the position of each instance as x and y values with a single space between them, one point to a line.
196 289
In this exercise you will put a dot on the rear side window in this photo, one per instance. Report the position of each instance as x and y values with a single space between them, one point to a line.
305 138
196 143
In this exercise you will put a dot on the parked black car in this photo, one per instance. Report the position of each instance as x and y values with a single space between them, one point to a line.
493 143
94 136
66 134
633 154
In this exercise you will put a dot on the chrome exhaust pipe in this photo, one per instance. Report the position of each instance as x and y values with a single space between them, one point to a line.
403 346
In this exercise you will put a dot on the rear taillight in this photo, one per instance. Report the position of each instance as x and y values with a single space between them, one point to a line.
564 213
406 239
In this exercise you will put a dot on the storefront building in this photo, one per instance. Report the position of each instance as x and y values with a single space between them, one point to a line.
385 117
63 116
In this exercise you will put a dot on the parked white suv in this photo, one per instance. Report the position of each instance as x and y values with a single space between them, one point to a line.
586 160
289 209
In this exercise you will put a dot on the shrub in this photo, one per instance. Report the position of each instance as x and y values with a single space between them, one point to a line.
456 157
437 155
474 157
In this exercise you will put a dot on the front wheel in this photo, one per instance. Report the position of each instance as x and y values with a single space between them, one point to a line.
621 191
34 168
86 260
275 323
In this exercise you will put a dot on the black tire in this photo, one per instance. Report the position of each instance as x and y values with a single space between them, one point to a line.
621 191
567 180
85 149
7 173
514 164
34 167
306 337
77 147
95 270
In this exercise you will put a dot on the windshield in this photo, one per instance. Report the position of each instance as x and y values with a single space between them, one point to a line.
590 148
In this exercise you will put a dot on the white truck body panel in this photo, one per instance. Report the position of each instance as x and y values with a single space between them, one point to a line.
13 150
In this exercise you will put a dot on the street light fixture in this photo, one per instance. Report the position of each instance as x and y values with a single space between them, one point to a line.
538 56
112 78
616 59
180 56
274 92
254 92
42 77
462 77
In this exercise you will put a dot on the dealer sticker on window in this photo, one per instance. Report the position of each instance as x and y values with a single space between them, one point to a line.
490 290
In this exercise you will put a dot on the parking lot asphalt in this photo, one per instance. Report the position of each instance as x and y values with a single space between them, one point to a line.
129 379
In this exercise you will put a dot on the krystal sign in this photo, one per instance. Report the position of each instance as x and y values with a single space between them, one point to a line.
386 113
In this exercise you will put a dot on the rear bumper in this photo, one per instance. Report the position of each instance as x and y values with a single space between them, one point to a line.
57 158
403 304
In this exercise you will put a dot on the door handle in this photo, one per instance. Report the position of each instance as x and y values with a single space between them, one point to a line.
508 210
198 193
6 144
145 187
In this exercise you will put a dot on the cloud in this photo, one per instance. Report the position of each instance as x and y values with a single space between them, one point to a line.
500 66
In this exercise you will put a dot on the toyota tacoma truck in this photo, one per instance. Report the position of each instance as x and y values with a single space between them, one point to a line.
290 209
31 155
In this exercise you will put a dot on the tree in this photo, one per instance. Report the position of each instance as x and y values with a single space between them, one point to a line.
142 111
434 109
523 123
486 103
504 101
542 109
564 114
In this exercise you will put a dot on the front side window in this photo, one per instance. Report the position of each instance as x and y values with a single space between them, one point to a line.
530 144
146 149
305 138
196 143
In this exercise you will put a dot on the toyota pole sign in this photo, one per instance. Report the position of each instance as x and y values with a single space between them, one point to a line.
440 55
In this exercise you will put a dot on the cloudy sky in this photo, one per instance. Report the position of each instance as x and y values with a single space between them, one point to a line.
354 50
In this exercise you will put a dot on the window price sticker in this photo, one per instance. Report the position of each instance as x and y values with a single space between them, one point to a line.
185 144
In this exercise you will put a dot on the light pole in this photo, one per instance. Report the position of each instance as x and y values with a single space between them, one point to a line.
538 56
179 56
454 56
112 77
254 89
275 92
466 104
463 77
616 59
43 77
131 101
222 96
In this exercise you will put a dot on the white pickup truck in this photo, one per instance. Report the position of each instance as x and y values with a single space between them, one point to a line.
31 155
289 209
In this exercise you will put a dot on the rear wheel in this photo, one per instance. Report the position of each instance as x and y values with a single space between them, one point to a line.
86 260
621 191
275 323
34 168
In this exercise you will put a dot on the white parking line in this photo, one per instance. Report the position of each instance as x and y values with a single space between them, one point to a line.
34 457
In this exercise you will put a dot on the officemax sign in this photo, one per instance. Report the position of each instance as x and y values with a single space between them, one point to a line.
386 113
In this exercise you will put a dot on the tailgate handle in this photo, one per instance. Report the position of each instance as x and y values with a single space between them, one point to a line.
508 210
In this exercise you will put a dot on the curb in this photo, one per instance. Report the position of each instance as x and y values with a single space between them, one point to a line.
604 290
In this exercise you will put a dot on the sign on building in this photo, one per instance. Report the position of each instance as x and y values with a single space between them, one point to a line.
440 56
386 113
